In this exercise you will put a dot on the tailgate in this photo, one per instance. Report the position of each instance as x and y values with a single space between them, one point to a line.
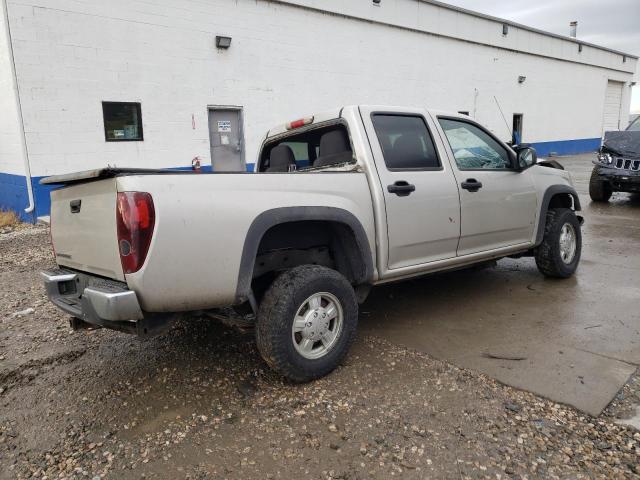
83 228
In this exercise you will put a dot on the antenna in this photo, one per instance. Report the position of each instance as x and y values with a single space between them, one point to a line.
505 120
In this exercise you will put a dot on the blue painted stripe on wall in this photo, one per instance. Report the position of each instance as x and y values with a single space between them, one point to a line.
13 188
567 147
14 196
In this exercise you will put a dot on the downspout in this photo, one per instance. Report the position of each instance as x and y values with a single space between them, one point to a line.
23 137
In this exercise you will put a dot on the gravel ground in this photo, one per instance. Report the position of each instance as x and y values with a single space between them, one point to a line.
199 403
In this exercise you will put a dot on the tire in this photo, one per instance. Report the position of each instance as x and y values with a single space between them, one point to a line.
599 190
292 295
552 256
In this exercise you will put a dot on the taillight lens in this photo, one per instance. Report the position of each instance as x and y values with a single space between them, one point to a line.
135 217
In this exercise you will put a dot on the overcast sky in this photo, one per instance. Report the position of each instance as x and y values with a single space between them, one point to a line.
610 23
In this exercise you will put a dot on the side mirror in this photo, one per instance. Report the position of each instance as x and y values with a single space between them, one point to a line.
527 158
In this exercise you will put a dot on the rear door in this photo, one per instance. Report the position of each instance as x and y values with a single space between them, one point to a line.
497 203
420 194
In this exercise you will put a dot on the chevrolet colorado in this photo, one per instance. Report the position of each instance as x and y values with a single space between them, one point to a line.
340 202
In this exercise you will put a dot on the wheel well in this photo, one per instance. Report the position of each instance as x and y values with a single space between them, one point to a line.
310 242
562 200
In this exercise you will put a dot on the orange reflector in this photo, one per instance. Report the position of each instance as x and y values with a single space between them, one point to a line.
299 123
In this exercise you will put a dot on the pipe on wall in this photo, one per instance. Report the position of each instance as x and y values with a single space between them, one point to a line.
23 138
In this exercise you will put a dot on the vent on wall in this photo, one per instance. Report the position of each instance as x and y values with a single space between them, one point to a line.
505 29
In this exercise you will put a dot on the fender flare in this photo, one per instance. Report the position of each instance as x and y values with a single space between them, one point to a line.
546 200
270 218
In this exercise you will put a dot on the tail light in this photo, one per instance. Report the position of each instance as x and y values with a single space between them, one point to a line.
135 217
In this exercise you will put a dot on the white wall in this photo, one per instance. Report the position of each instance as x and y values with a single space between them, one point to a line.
11 159
446 20
284 62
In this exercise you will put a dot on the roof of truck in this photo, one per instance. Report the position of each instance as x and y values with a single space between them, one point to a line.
335 113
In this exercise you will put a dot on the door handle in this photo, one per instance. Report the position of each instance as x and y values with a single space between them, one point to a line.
75 205
401 188
472 185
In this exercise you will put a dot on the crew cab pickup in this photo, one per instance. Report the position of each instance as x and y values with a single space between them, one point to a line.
340 202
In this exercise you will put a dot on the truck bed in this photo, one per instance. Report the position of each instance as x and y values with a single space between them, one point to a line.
102 173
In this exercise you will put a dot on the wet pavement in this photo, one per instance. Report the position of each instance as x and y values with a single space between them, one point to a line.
574 341
199 403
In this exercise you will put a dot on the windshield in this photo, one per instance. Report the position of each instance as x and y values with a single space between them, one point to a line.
635 126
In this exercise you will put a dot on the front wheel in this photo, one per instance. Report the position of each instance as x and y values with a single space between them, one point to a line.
599 190
559 253
307 322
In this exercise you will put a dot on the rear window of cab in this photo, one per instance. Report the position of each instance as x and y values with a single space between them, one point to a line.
322 146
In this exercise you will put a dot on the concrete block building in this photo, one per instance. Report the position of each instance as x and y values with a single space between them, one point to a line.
157 83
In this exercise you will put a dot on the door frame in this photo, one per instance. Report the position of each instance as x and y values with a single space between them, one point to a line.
240 110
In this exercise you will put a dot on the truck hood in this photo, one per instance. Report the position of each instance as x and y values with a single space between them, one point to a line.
626 143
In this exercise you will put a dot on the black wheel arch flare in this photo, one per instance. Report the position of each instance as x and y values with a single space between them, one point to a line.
549 194
270 218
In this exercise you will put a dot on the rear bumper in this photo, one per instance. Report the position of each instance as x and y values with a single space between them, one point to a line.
98 302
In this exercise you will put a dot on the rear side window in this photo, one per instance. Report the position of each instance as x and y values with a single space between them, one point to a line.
406 142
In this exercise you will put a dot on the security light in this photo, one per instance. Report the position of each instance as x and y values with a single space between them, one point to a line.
223 42
521 79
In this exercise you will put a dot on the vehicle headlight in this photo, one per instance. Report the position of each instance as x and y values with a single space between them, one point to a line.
605 158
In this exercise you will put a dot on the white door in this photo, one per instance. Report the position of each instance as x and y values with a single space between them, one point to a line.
420 194
612 106
497 203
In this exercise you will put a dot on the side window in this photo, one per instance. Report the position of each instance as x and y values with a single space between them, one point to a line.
473 148
405 141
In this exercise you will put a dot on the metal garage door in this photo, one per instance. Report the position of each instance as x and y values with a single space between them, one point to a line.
612 106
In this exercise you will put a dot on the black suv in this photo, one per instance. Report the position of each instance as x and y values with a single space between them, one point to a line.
618 166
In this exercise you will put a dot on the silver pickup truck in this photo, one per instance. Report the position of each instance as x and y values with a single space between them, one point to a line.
340 202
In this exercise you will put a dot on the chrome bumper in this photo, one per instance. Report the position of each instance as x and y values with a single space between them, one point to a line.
94 300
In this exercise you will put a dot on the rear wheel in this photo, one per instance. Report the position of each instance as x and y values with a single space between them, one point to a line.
559 253
307 322
599 190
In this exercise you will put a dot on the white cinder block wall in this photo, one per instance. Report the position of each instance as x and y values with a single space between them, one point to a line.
11 159
287 59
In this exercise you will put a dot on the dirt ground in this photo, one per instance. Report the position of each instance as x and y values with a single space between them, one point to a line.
199 403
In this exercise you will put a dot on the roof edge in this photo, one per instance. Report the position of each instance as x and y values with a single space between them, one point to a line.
473 13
